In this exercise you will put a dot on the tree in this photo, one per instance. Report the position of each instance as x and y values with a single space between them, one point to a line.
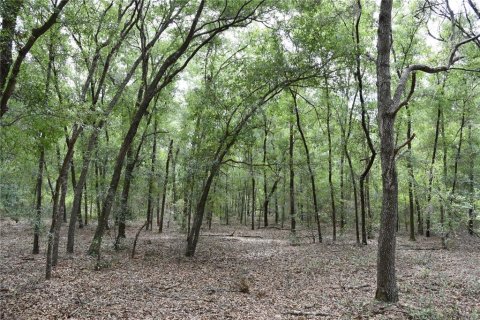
388 106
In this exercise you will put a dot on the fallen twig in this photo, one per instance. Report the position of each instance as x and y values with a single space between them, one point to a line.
217 235
307 313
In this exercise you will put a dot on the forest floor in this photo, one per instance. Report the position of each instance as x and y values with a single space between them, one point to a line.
235 275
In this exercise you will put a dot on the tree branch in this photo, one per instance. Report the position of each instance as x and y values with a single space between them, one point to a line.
410 94
396 104
397 149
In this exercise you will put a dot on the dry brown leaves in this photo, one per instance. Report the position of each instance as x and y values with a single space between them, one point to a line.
260 276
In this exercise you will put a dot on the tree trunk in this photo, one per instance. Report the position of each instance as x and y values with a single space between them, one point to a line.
292 179
365 125
165 182
430 176
330 165
471 214
86 205
79 186
310 170
386 277
457 160
342 192
410 178
150 199
56 212
265 202
38 206
443 203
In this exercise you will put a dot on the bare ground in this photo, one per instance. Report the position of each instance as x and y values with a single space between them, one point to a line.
250 275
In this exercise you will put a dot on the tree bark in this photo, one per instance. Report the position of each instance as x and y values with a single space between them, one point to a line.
265 202
430 176
330 165
410 177
386 277
79 186
365 126
310 170
471 214
56 212
38 206
165 182
291 179
150 199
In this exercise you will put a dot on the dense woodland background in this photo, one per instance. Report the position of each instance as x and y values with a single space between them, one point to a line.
141 116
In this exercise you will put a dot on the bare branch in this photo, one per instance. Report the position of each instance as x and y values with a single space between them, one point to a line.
396 105
397 149
412 90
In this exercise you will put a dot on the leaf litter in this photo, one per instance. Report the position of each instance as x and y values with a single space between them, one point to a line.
236 273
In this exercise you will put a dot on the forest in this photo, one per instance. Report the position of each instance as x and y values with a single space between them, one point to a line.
153 155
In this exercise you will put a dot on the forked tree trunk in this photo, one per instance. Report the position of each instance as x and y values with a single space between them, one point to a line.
53 235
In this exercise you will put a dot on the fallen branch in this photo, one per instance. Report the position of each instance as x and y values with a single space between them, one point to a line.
307 313
217 235
247 236
136 238
419 249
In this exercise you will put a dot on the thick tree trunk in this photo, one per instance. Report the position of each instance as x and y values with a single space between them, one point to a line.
200 210
386 277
